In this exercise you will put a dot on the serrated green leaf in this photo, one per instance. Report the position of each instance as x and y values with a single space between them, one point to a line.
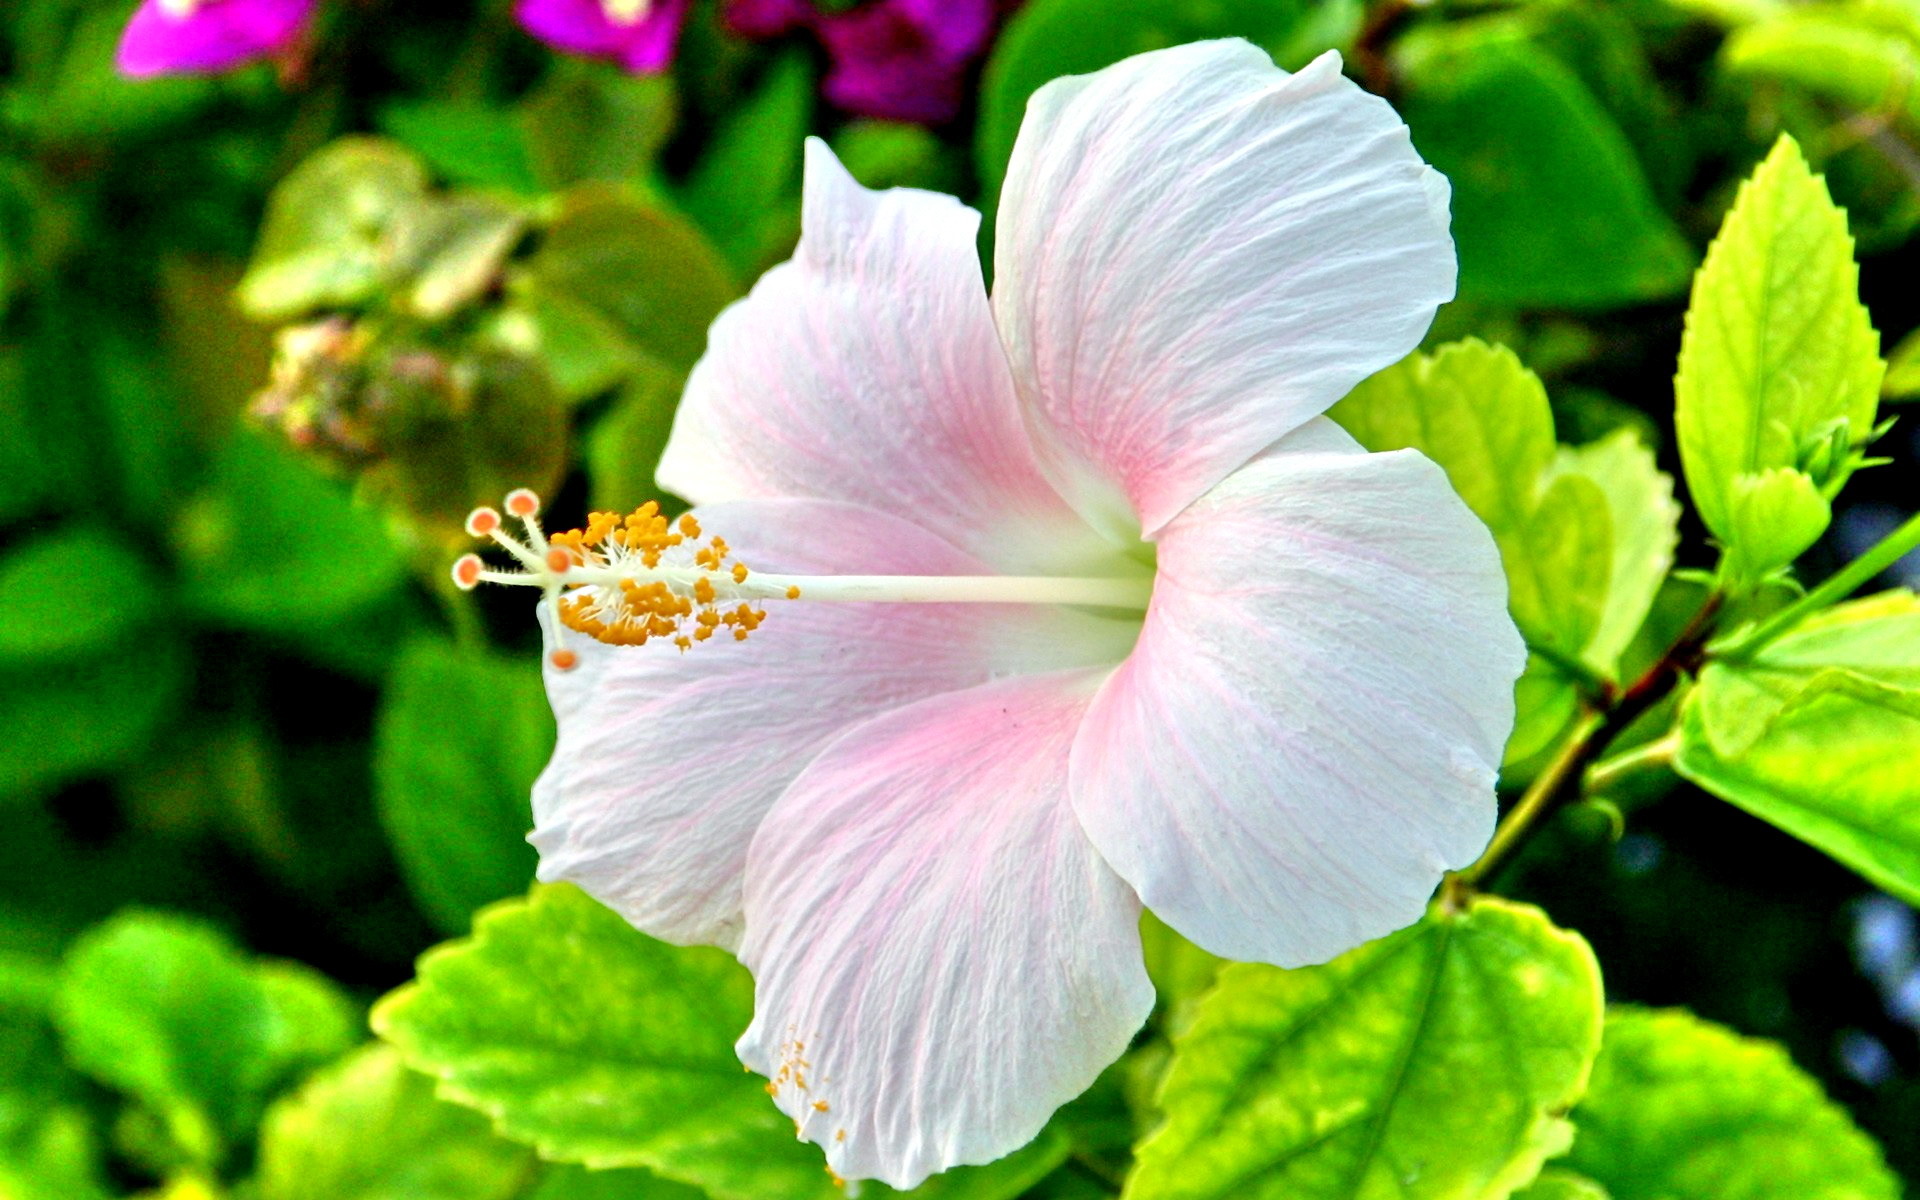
368 1128
1556 1184
1550 207
744 191
1681 1107
1777 349
649 273
1645 529
1345 1080
1480 414
457 745
1819 733
167 1011
326 240
534 1021
1046 39
73 591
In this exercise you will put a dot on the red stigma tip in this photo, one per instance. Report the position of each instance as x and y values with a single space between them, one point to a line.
482 521
522 503
558 560
466 571
564 660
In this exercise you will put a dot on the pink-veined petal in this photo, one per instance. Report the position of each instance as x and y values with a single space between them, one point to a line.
216 36
1307 734
666 762
1196 253
940 958
867 369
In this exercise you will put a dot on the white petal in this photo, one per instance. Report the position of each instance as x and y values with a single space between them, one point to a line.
1307 735
666 762
867 369
940 959
1196 252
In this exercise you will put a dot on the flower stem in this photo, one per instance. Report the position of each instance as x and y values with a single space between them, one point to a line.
1648 756
1560 782
1838 586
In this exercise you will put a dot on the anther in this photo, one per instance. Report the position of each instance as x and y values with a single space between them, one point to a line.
482 522
466 571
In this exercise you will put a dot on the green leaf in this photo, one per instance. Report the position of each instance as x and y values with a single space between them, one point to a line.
566 1182
1046 39
453 252
72 591
47 1152
584 352
1002 1179
535 1021
1550 207
272 545
1480 414
327 236
91 715
1778 354
457 745
464 433
1346 1079
1645 526
888 154
1555 1184
1773 517
1858 58
625 446
1819 733
592 121
647 272
744 191
1681 1107
367 1128
465 143
166 1010
1903 370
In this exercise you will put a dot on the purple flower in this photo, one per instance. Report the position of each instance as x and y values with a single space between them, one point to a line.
902 60
638 34
172 37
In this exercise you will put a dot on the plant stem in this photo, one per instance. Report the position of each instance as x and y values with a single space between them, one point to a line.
1838 586
1560 782
1654 755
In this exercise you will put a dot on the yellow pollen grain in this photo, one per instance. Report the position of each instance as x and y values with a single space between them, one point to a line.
739 572
793 593
820 1106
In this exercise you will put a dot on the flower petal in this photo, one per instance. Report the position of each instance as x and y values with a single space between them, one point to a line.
666 762
868 369
1197 252
940 959
214 37
1308 732
583 27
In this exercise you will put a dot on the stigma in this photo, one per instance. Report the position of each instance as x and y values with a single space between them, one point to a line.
625 579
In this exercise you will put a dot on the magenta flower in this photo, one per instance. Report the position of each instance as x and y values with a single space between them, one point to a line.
172 37
638 34
901 60
1072 601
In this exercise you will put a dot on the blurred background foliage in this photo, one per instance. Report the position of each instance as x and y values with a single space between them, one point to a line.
266 337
